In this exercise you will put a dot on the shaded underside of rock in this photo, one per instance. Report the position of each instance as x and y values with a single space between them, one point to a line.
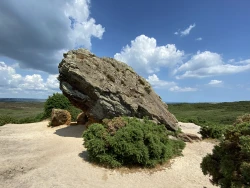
107 88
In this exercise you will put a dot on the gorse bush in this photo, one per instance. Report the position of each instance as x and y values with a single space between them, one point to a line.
140 143
229 164
212 131
207 129
74 112
59 101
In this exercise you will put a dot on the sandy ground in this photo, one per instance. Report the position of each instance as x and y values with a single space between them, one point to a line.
190 128
33 155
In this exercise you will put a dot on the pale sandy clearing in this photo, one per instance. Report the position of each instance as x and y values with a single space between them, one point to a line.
33 155
190 128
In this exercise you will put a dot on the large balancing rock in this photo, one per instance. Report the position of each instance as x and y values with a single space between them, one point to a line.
107 88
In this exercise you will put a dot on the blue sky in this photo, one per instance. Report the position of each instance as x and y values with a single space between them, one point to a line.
190 51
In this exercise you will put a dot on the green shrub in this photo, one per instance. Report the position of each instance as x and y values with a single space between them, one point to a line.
59 101
212 131
55 101
6 120
192 120
37 118
229 164
74 112
139 143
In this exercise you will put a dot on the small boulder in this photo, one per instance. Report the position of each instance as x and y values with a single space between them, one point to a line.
188 137
82 119
60 117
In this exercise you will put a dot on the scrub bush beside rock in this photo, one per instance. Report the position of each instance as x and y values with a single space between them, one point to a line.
229 164
59 101
130 142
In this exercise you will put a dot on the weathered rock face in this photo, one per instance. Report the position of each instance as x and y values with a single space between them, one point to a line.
60 117
107 88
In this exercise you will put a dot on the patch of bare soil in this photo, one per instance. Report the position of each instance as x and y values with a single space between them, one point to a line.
33 155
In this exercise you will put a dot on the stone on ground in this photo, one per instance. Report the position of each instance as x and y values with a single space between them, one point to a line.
60 117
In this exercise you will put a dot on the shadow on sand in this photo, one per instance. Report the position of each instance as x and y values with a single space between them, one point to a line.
71 131
84 155
76 131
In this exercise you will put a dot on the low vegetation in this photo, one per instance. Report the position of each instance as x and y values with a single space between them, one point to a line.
129 141
30 112
214 118
59 101
229 164
20 112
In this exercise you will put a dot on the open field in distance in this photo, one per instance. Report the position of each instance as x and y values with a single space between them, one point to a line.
199 113
21 109
214 113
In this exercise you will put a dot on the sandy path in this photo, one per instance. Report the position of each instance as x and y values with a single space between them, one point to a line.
33 155
190 128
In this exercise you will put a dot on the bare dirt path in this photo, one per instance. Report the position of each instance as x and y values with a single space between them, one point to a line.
33 155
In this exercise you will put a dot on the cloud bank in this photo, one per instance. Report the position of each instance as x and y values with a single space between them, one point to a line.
147 58
207 64
36 34
12 83
171 86
157 83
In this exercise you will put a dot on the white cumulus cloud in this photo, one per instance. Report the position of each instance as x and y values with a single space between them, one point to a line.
215 82
198 39
206 64
247 61
182 89
145 56
32 82
157 83
11 82
52 82
186 31
82 26
171 86
8 76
